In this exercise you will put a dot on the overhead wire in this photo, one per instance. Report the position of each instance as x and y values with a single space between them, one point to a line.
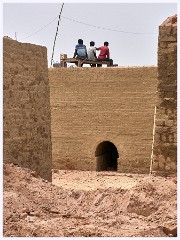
109 29
87 24
56 33
32 34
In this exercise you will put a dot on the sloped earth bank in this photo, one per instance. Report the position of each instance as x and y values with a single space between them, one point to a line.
87 204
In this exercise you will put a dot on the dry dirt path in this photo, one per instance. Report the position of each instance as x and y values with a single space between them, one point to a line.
87 204
87 180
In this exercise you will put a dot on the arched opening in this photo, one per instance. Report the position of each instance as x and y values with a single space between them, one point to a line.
106 156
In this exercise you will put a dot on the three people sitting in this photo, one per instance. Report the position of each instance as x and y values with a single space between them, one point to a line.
82 53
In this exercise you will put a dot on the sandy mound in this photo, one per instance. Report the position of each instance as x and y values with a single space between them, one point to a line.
87 204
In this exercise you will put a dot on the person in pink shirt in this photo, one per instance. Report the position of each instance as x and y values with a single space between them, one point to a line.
104 54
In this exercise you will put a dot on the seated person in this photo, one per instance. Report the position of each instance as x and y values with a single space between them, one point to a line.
80 51
92 53
104 54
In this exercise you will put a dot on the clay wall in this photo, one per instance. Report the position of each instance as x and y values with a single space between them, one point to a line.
26 107
86 109
165 154
93 105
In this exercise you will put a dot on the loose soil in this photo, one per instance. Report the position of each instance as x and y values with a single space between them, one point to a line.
87 204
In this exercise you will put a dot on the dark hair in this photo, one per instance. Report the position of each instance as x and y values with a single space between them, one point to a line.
106 43
80 41
92 43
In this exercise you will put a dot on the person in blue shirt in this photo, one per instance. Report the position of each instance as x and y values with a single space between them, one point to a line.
80 50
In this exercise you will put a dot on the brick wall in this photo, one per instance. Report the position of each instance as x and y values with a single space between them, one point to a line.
165 154
92 105
26 107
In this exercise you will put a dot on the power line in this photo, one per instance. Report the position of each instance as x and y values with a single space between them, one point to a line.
56 33
39 29
109 29
87 24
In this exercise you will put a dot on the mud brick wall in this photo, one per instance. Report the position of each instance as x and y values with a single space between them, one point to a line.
26 107
92 105
165 154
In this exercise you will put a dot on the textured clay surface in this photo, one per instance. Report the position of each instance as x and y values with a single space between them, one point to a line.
87 204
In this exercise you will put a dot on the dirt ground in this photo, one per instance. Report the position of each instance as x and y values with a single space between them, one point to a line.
87 204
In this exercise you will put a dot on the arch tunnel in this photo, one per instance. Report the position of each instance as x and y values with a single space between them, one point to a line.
106 157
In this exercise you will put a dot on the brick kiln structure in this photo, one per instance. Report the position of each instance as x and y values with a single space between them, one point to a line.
165 154
26 107
101 118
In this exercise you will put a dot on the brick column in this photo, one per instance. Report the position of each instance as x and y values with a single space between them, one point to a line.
26 107
165 154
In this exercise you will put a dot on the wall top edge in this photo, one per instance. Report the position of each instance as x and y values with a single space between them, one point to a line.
170 21
10 40
104 68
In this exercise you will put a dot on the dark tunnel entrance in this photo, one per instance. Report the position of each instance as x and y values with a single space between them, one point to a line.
106 156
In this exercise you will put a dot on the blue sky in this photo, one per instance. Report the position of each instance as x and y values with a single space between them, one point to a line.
130 28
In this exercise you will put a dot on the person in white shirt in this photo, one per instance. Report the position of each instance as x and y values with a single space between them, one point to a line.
92 53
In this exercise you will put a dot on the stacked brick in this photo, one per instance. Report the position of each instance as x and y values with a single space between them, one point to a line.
165 153
92 105
26 107
89 106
